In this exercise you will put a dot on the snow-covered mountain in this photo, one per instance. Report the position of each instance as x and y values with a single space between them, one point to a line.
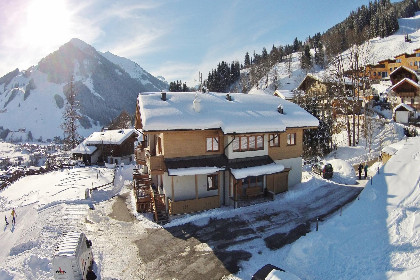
105 84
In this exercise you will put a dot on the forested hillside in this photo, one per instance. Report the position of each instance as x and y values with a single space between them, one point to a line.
377 19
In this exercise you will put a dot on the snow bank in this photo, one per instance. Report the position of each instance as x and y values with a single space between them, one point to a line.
376 237
343 172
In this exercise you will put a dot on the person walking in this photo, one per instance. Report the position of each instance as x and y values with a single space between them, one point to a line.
13 216
366 169
360 168
5 219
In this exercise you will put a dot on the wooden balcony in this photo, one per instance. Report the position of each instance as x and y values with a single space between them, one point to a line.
140 156
156 164
193 205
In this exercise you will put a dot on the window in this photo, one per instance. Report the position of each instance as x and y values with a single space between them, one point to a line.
253 181
418 54
212 182
274 140
248 143
291 139
260 142
244 143
212 144
374 73
398 60
411 63
415 63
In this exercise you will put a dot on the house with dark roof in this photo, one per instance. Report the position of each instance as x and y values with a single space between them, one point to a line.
204 150
109 146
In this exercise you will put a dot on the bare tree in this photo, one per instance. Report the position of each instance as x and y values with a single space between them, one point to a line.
71 117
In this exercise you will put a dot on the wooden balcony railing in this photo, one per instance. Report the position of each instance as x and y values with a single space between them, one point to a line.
140 156
156 164
193 205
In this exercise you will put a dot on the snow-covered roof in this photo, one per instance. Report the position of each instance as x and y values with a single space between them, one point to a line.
245 113
284 93
405 80
405 106
257 170
109 137
194 171
84 149
406 68
389 150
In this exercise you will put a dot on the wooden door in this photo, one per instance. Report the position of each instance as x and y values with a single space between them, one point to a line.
278 182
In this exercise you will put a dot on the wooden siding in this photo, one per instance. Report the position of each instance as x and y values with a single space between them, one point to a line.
138 124
189 143
278 182
156 165
285 151
193 205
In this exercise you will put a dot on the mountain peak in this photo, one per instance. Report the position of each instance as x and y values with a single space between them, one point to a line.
83 46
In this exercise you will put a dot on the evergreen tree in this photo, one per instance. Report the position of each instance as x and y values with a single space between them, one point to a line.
296 45
247 62
123 121
264 54
71 117
306 59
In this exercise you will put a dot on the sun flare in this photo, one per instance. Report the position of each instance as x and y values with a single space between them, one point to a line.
47 23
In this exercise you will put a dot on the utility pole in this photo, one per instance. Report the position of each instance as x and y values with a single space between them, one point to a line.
200 80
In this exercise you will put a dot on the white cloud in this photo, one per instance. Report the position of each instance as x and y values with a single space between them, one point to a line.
139 45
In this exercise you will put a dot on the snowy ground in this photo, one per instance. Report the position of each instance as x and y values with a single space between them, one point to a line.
376 237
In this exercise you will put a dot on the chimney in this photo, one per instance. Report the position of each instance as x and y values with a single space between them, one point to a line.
163 96
228 97
280 109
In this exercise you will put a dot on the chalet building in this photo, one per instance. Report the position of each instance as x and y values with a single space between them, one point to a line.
204 150
405 90
109 146
316 86
401 73
384 68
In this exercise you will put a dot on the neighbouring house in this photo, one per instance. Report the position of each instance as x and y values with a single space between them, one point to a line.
109 146
404 90
323 89
401 73
384 68
403 113
285 94
204 150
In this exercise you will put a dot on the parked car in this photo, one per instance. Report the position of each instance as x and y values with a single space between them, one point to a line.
72 257
323 169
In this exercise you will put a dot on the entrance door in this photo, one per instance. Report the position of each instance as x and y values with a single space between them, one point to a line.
278 182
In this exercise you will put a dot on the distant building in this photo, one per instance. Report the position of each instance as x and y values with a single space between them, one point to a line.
404 91
109 146
384 68
285 94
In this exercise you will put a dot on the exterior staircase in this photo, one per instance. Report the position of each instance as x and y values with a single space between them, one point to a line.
159 208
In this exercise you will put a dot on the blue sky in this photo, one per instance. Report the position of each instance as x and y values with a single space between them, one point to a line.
175 39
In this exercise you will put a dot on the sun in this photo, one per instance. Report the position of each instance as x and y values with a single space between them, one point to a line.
47 23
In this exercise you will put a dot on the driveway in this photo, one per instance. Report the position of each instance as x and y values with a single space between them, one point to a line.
211 248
